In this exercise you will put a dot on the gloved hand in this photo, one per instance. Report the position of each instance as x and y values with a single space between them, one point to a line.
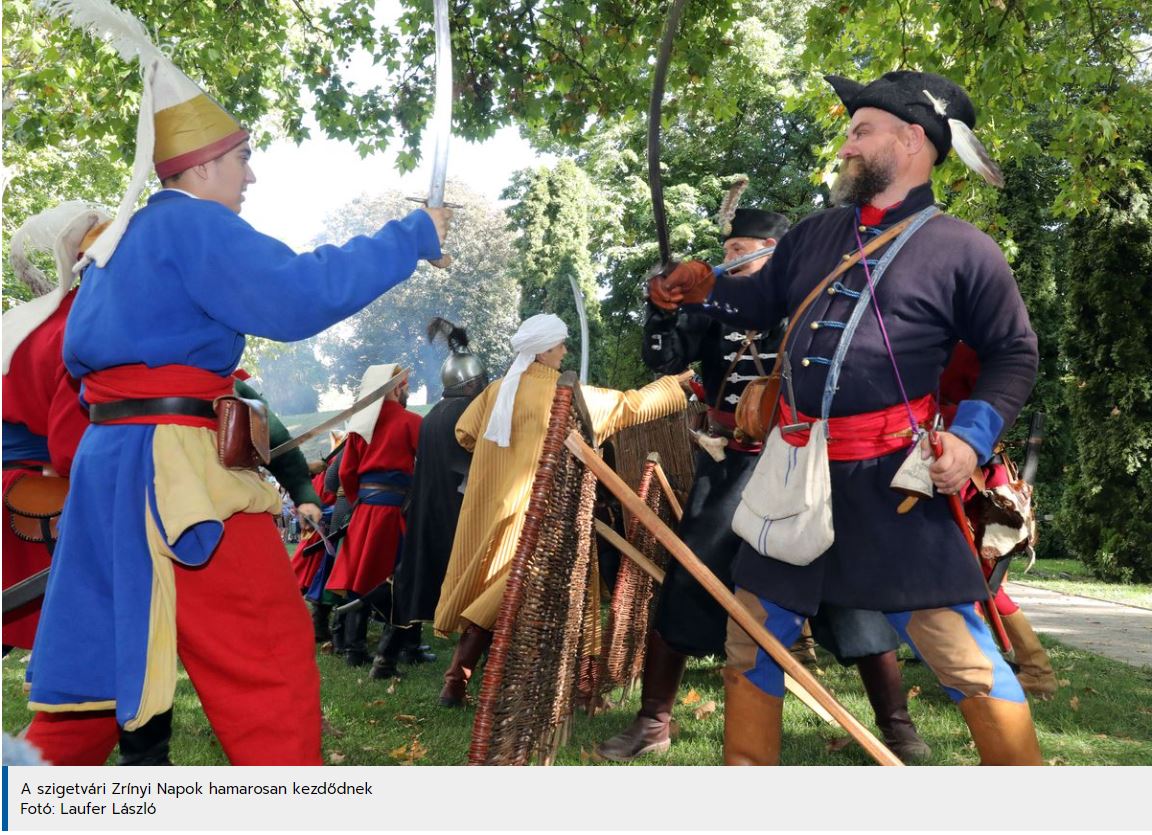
690 282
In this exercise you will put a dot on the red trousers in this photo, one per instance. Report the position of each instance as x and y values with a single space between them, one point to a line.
245 638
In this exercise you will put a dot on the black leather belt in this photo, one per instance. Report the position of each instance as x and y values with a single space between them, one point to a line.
151 407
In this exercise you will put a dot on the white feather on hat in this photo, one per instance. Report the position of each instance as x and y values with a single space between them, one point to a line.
179 124
60 230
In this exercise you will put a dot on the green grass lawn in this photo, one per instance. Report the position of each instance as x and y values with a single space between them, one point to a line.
1072 577
1102 716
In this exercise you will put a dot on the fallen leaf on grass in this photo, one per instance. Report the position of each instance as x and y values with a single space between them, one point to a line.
391 687
1064 682
913 691
377 702
1057 761
407 718
373 721
408 754
336 758
838 743
706 709
329 729
1090 690
585 757
1074 703
690 698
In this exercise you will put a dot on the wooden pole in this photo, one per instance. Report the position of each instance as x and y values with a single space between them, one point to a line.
683 554
656 573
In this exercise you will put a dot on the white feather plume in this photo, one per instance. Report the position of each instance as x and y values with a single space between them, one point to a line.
973 154
101 19
970 150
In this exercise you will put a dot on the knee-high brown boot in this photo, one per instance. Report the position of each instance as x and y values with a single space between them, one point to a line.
885 688
752 722
1002 730
650 731
1035 675
473 643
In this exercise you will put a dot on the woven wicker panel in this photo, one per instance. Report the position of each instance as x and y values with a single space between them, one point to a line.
667 436
545 638
633 602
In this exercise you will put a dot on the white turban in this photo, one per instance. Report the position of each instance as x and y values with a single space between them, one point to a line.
536 335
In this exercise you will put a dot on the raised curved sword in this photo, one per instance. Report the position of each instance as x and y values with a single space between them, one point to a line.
655 109
442 107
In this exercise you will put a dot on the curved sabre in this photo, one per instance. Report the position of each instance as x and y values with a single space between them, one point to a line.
442 108
655 108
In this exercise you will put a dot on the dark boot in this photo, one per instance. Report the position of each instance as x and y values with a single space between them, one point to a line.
388 653
339 643
804 650
321 614
356 638
649 732
473 643
753 721
885 688
147 745
414 652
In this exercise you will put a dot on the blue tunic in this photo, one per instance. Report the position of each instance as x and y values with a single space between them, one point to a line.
949 282
188 280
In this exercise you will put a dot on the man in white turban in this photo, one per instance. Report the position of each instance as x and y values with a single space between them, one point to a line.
504 428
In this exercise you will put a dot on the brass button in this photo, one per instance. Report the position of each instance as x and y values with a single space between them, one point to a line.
815 326
863 228
847 257
831 291
805 362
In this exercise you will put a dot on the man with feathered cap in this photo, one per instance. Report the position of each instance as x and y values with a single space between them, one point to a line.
866 352
436 497
163 549
376 473
504 429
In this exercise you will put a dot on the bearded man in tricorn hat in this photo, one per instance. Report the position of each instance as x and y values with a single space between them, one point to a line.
867 356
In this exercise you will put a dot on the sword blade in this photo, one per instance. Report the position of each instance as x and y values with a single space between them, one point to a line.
335 420
442 108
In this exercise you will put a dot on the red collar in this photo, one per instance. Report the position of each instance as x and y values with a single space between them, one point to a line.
872 216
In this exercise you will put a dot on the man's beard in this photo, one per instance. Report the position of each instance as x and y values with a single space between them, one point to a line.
868 178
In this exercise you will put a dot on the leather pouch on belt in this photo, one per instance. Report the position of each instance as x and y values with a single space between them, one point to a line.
756 410
242 439
34 502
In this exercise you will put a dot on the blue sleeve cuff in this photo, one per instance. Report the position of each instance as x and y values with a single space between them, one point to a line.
978 425
420 224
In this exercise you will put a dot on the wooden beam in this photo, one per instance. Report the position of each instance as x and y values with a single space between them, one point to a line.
683 554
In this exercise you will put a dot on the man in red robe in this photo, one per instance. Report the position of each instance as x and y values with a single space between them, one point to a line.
376 472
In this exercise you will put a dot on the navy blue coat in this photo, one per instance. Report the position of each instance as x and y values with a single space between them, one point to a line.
949 283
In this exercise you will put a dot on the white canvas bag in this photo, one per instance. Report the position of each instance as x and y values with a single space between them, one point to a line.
785 510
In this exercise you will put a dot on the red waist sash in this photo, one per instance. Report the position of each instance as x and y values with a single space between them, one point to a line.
863 436
136 382
727 420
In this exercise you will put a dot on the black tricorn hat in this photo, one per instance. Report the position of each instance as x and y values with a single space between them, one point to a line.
757 223
915 97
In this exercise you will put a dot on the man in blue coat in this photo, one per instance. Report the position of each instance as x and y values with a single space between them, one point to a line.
867 357
164 552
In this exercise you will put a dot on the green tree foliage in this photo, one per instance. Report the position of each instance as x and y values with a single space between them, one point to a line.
1108 344
555 212
478 292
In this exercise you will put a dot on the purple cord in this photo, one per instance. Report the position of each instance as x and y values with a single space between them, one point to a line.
884 330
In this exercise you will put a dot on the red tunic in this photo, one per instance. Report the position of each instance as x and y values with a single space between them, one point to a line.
305 566
374 533
39 393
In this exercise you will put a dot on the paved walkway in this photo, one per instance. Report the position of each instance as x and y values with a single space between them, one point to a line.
1109 629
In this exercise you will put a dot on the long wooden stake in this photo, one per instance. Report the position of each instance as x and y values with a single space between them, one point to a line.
656 573
669 493
683 554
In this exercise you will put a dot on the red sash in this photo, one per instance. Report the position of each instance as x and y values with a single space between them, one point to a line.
864 436
132 382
